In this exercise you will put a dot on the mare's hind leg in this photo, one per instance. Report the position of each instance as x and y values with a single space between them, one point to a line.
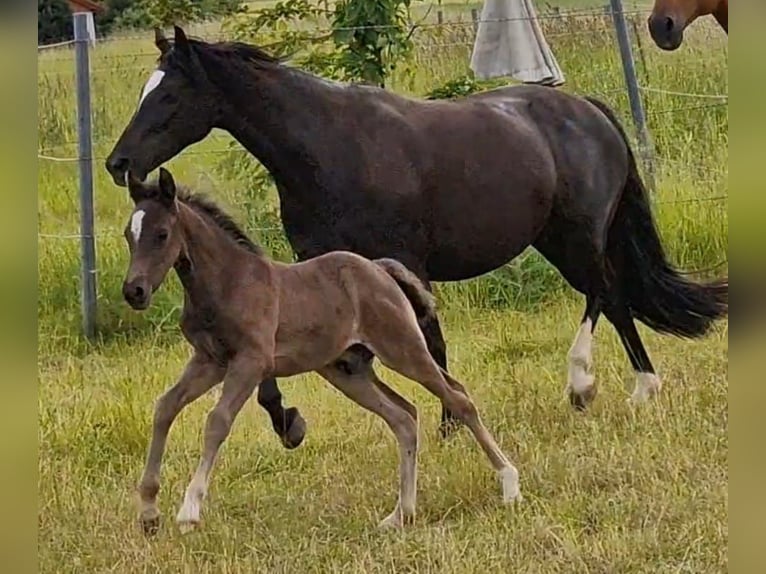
409 356
364 388
578 254
648 384
581 386
288 424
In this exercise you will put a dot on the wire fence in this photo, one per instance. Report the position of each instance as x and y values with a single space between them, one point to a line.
684 99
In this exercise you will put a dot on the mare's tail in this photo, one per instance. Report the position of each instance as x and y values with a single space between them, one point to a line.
657 294
422 301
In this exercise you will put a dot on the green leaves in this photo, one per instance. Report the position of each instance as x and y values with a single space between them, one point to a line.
372 37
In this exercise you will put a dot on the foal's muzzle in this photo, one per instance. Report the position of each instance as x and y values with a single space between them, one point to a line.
137 293
666 31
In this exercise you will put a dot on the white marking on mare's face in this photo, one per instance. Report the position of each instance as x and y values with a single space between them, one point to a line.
151 84
135 224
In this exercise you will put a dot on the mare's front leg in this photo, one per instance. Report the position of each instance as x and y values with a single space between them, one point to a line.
288 424
243 376
200 374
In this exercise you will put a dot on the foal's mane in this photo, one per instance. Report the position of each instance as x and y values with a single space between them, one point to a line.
203 205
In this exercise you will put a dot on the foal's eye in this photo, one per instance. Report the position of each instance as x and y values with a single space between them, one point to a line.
162 237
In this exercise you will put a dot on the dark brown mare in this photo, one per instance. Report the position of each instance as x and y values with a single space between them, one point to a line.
669 19
249 318
452 189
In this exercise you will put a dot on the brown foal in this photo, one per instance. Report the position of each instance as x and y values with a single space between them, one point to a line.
250 318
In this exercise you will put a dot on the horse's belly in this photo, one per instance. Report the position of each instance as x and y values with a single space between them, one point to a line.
484 230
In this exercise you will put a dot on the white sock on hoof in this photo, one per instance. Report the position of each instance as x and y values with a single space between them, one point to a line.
647 386
578 379
509 477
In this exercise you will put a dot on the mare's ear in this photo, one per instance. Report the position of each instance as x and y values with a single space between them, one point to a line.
181 42
162 43
167 187
138 191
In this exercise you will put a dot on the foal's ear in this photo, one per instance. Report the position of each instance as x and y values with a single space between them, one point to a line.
162 43
167 187
138 191
181 42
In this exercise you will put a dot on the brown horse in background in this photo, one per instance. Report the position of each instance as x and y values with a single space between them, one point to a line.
670 18
249 318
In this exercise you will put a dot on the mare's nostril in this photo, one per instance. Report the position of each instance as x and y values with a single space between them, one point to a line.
138 292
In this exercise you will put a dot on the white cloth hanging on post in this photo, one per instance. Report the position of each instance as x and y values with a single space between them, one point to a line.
510 42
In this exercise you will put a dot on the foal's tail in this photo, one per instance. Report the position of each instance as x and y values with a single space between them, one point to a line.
657 294
422 301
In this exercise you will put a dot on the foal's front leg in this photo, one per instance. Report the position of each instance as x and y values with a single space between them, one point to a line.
242 378
200 374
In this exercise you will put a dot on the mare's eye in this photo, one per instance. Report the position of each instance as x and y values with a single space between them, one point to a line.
162 236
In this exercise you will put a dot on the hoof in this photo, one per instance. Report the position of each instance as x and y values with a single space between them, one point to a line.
296 429
187 526
395 521
581 400
150 524
509 477
648 385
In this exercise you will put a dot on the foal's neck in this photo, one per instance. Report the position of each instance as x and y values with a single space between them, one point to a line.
210 257
283 116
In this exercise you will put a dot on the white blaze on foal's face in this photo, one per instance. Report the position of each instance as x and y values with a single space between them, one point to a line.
135 224
151 84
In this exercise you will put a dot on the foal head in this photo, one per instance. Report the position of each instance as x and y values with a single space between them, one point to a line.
154 237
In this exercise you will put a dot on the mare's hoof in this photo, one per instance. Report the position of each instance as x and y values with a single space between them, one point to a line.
581 400
150 525
296 429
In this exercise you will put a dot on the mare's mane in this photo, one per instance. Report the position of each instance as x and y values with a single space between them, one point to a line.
226 52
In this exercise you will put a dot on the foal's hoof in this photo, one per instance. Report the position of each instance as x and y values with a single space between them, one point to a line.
187 526
150 524
581 400
396 521
296 429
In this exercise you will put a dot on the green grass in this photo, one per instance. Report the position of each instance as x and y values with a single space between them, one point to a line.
614 490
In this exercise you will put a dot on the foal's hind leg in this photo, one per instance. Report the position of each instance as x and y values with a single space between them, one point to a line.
364 388
409 356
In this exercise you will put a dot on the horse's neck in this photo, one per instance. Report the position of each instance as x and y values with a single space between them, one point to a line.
721 14
283 117
206 256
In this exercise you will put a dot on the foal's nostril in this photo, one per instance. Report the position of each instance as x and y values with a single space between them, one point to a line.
138 292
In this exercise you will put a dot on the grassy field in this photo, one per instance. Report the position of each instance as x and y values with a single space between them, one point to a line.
615 490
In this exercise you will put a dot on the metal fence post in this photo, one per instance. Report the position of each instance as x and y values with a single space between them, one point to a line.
634 95
85 164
